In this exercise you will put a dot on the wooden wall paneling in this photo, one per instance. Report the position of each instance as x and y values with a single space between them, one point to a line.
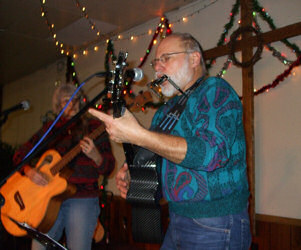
263 237
296 238
280 237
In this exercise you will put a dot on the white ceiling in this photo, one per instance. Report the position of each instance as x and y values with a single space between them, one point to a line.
25 40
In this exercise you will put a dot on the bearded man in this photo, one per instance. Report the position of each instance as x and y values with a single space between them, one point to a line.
203 158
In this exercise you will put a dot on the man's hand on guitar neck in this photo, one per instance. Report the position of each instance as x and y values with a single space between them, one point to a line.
126 129
36 176
122 180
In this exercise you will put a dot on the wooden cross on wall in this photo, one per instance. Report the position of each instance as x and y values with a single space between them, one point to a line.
245 45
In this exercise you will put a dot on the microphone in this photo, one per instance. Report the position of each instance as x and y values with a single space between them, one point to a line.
135 73
22 105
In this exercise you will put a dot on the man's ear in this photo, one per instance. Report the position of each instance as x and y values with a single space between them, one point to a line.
195 59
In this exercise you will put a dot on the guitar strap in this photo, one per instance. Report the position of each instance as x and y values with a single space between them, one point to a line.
173 115
168 123
146 211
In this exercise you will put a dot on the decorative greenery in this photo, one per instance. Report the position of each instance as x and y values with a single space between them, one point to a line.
280 77
227 27
163 25
275 52
256 57
257 8
266 17
71 73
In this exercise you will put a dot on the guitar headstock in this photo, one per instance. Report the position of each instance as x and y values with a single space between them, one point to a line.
116 84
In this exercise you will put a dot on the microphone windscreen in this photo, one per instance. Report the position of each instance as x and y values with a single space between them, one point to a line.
138 74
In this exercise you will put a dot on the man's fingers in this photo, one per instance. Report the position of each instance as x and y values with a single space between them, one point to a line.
123 195
100 115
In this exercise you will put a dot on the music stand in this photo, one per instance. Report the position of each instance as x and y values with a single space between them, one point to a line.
41 237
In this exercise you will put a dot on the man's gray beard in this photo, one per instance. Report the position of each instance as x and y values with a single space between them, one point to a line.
181 78
168 90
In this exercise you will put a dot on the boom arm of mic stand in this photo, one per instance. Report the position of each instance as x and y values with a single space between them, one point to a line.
3 120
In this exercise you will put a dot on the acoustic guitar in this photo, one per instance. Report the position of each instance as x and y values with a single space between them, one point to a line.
36 205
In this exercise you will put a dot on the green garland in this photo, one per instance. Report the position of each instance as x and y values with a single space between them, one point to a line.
227 27
265 16
71 73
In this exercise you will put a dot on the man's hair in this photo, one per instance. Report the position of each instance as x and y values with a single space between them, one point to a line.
191 44
64 90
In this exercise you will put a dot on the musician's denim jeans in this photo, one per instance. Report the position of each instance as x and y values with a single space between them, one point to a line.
230 232
79 218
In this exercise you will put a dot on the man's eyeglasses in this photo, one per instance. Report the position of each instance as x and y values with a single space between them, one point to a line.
164 58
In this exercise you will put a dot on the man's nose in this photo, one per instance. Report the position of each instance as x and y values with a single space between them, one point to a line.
159 66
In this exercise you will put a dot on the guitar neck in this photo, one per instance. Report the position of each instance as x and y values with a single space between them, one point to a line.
127 148
74 151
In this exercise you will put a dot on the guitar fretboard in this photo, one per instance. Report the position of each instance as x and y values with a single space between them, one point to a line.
74 151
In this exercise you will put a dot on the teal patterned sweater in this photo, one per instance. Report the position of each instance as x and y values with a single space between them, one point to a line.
211 181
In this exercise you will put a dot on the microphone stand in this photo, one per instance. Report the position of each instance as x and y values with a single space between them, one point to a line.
3 120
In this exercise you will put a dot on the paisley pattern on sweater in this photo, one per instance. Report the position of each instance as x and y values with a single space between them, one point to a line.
212 179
